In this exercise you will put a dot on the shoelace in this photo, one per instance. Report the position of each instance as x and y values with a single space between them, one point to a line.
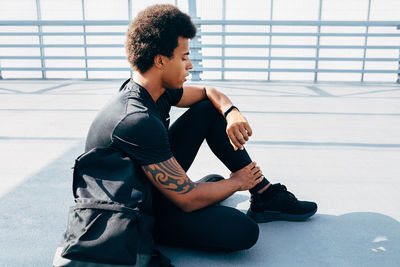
282 188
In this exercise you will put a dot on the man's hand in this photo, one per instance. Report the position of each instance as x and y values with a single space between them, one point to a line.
172 181
237 129
248 176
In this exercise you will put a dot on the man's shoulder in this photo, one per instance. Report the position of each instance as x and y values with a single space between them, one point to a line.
139 122
140 132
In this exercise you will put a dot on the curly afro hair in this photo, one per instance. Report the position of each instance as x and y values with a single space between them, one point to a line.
155 31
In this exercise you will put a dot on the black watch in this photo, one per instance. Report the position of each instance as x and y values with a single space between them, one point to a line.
229 110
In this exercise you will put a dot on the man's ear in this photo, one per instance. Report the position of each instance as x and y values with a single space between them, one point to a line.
158 62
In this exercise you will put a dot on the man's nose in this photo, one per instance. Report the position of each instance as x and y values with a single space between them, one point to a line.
189 65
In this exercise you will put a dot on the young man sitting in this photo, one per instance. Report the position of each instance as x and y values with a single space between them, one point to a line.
136 122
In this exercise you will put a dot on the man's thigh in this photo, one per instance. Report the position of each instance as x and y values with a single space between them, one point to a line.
188 132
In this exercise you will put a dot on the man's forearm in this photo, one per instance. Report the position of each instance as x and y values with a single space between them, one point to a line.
219 100
206 194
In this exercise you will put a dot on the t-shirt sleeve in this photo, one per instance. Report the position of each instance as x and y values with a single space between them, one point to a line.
174 96
143 137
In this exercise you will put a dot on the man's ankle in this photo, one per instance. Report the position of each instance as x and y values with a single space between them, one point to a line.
262 190
260 187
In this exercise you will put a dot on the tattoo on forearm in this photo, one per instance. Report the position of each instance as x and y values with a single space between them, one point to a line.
170 175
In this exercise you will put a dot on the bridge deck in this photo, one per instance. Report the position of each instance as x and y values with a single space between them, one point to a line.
335 143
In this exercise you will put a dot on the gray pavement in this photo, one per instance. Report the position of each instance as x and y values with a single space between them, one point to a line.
335 143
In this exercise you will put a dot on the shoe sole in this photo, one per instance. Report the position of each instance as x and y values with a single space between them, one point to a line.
270 216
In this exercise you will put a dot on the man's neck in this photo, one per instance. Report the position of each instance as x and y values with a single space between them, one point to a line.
150 82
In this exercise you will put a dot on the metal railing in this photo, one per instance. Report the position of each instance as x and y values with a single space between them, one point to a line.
317 47
197 45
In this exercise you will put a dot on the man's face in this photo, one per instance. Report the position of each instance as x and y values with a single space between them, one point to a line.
177 68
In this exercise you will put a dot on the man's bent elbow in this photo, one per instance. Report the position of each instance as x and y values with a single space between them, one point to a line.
187 209
189 206
210 90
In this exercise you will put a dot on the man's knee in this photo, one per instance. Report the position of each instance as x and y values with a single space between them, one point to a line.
241 231
247 236
205 106
253 234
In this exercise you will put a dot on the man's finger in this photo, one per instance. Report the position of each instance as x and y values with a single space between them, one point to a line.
235 143
244 133
257 170
236 138
240 138
248 129
252 165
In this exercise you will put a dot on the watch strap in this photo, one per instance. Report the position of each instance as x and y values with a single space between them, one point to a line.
229 110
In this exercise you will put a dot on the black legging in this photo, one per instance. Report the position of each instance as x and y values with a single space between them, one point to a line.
216 226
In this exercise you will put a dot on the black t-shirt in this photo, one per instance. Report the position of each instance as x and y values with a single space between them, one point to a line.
134 124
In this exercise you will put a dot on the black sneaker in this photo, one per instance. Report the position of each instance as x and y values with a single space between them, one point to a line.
211 178
279 205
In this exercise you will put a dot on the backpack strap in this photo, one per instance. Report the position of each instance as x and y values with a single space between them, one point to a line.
82 203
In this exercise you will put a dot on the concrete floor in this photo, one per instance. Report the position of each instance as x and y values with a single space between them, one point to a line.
334 143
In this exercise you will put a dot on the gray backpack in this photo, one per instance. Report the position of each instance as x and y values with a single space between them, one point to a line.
111 222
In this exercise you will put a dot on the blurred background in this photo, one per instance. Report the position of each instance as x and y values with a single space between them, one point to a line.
308 40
